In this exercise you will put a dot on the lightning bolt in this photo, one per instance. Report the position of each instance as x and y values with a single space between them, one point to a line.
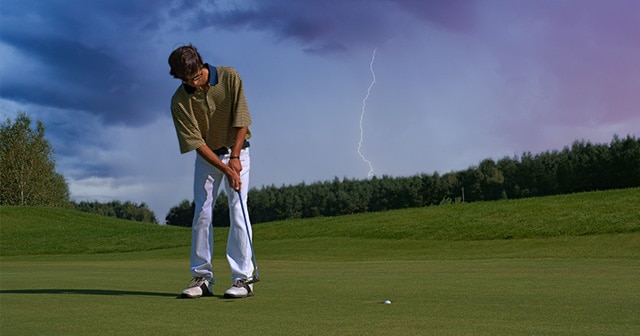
364 109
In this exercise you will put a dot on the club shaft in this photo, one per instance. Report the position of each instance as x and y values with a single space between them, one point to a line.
246 226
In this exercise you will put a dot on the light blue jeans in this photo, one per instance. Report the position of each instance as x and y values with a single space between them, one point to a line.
206 187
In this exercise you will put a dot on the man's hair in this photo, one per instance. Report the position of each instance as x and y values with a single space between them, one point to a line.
184 62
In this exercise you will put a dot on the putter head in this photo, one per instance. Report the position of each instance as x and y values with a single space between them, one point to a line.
253 280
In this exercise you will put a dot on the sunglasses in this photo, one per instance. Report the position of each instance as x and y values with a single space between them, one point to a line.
193 79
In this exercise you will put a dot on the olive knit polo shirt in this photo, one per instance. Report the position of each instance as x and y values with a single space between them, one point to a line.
209 116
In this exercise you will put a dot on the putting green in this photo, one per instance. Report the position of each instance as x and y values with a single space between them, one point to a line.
136 293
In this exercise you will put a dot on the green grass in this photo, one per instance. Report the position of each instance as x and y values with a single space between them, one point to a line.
564 215
562 265
33 230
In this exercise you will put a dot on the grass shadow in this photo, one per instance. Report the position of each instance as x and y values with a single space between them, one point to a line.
106 292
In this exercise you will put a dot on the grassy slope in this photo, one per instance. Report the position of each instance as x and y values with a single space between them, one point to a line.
566 215
36 230
557 219
598 224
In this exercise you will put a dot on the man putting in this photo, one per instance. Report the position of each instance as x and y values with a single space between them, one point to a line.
211 116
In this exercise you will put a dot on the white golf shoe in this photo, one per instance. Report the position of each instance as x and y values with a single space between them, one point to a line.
239 290
197 288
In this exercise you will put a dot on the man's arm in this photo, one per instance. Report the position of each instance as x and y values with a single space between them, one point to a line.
235 164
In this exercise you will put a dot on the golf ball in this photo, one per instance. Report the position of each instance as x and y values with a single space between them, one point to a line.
387 302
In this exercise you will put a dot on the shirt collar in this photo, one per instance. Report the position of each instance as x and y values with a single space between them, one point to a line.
213 79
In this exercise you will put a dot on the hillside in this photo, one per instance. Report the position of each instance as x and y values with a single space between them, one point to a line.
580 214
41 231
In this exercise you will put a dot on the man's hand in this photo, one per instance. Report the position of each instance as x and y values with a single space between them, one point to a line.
235 164
236 168
234 178
234 161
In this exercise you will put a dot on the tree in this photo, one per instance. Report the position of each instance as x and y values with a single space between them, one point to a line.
27 166
182 214
127 210
492 180
625 162
221 211
511 168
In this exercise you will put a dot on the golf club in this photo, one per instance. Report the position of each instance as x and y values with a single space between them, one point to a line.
256 277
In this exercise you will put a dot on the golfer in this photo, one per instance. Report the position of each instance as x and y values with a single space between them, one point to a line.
211 116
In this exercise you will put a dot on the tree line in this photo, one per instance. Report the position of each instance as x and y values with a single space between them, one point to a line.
28 178
583 166
127 210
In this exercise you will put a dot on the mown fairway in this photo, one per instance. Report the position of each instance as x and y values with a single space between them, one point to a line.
564 265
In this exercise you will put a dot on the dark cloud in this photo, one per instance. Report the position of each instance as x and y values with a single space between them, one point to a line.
74 77
327 48
69 58
453 15
332 26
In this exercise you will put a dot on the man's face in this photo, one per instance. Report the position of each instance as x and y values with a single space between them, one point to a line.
195 80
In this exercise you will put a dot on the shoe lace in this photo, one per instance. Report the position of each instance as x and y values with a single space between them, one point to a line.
239 283
196 282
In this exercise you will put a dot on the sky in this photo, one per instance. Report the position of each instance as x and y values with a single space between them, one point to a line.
409 86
